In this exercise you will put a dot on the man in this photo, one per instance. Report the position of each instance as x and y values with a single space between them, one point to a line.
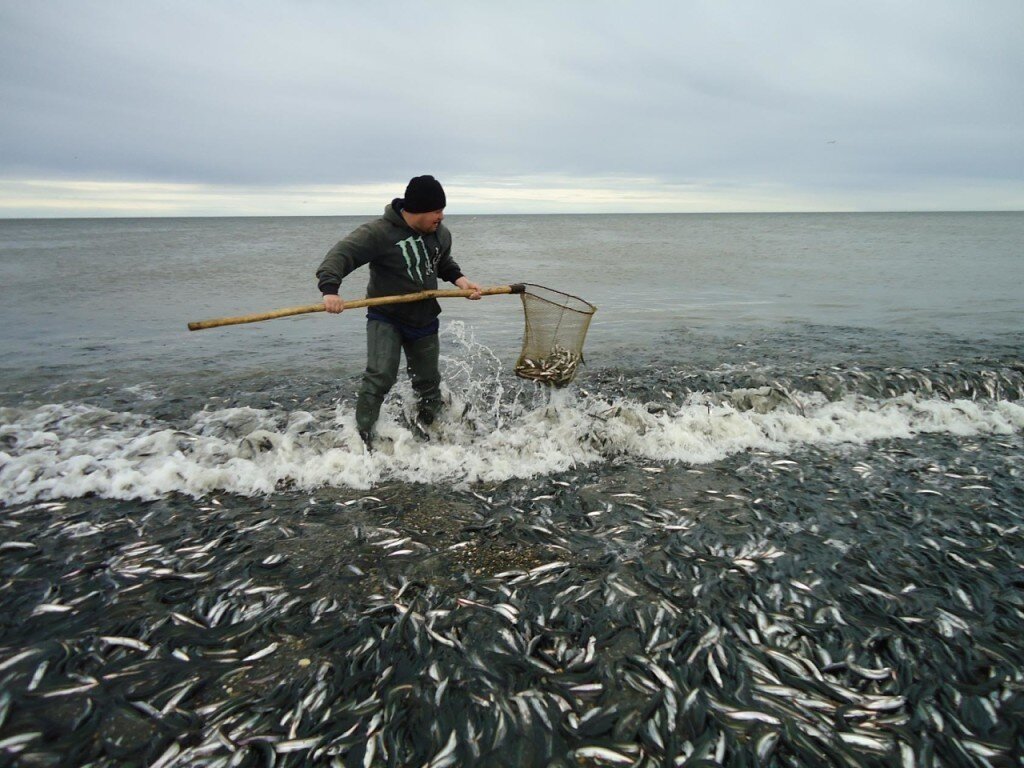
407 250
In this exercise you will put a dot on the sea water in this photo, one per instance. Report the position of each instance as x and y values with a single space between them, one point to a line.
94 317
782 417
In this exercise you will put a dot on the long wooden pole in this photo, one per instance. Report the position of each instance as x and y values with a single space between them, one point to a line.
199 325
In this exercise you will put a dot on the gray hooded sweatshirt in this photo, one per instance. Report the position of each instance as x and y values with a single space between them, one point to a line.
401 261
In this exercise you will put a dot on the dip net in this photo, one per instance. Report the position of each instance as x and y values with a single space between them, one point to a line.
556 325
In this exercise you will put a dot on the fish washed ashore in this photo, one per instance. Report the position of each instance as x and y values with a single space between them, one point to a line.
792 562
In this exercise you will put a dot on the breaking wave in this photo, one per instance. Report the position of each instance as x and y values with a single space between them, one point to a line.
74 449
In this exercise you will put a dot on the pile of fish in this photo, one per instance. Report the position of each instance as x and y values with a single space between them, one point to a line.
853 610
557 368
852 606
763 388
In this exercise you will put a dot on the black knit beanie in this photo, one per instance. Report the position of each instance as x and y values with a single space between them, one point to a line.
424 194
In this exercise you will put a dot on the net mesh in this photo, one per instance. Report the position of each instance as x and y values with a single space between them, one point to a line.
556 326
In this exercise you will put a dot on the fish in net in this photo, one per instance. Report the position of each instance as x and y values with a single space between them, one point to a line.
556 326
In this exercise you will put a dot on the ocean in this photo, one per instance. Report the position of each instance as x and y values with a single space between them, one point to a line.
776 520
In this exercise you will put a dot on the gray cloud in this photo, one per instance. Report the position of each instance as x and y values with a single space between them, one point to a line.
826 96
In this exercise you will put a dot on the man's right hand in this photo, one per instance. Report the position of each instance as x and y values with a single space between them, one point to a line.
333 303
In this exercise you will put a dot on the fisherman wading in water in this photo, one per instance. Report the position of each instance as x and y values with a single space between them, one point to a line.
407 249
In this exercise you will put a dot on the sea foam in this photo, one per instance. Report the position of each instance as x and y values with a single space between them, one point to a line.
71 450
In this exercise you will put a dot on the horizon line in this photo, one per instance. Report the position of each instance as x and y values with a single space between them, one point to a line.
520 213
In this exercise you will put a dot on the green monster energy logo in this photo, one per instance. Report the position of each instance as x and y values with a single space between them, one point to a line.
417 260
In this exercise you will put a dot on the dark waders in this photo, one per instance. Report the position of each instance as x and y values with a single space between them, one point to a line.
384 345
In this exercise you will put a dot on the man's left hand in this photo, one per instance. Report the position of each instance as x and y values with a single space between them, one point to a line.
467 285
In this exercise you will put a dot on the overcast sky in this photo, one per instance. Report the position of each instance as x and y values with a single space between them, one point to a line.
308 107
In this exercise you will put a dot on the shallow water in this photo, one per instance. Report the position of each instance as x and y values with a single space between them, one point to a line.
776 521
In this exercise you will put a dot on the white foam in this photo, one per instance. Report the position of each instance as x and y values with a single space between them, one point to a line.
72 450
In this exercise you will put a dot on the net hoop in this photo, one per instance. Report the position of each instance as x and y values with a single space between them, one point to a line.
560 298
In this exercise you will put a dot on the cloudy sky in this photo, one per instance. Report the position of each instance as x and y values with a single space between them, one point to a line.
200 107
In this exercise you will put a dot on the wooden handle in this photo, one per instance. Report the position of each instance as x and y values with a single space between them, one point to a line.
402 298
